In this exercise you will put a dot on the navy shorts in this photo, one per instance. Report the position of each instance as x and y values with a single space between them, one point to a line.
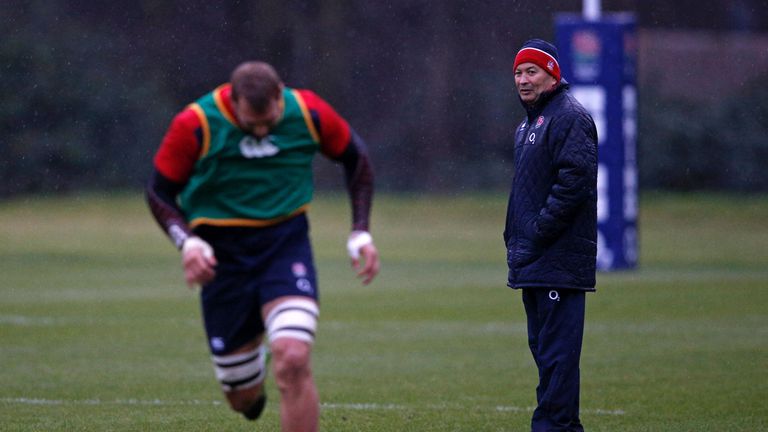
255 266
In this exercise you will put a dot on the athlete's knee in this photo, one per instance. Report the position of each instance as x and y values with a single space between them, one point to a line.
291 326
291 358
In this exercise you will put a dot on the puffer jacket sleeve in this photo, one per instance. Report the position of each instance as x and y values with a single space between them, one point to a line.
574 154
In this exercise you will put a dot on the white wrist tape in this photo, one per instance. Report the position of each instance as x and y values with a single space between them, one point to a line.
197 243
357 240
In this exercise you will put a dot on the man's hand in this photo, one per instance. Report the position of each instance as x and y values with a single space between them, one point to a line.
198 260
364 255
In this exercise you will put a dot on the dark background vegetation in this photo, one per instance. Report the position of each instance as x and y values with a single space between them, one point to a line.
87 89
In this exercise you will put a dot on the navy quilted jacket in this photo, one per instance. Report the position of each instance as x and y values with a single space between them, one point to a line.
551 229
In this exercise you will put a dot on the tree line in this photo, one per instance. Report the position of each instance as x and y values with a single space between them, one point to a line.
88 89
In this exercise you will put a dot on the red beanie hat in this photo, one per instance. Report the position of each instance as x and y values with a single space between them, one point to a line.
541 53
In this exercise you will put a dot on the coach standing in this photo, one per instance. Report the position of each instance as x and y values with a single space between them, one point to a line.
551 229
232 182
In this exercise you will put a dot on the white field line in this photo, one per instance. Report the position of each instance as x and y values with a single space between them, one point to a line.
325 405
96 402
453 327
48 321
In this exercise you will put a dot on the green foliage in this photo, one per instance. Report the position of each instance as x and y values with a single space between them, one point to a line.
685 145
78 111
99 332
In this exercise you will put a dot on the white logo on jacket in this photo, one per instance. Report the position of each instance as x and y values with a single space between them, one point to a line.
251 147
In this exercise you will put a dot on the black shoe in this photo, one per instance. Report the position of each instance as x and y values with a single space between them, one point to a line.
256 409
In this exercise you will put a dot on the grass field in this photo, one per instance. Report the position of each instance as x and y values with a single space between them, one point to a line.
99 333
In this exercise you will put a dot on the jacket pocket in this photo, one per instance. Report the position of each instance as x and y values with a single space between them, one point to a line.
526 252
580 260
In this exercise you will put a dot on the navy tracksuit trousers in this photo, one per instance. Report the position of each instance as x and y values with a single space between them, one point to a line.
555 334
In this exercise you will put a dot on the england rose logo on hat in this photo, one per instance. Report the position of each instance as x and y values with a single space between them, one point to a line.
541 53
